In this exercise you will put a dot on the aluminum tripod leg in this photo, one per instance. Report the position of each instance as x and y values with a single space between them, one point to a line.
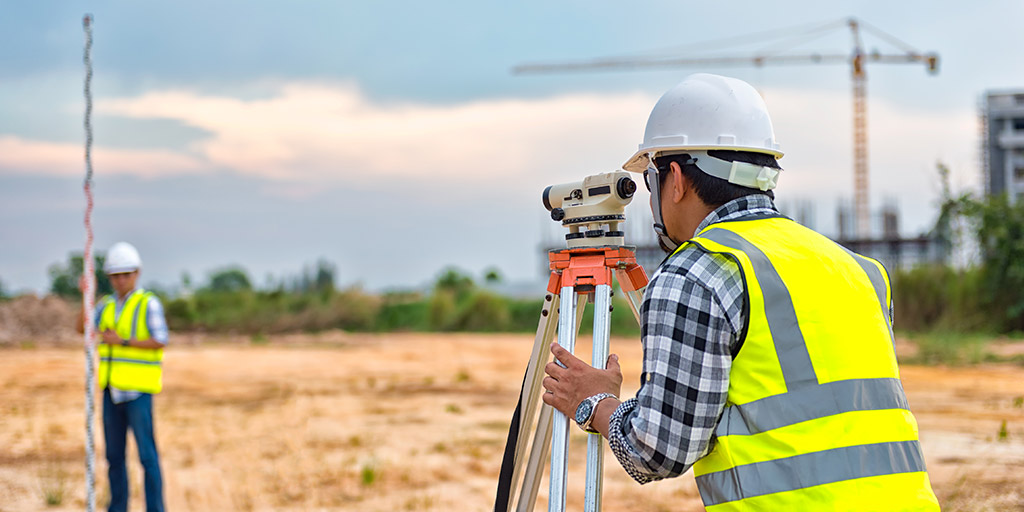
530 396
587 269
599 359
530 405
535 464
542 439
560 428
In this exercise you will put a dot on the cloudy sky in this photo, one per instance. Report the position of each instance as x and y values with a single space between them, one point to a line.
391 138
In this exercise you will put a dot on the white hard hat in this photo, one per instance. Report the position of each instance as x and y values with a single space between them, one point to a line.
707 112
122 257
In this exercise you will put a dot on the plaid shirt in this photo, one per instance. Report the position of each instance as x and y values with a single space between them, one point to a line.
693 317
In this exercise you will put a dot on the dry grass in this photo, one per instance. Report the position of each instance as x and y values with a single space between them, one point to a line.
406 422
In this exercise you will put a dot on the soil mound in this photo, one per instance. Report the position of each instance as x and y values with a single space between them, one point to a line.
45 321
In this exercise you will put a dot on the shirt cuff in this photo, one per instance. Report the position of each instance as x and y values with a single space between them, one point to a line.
625 453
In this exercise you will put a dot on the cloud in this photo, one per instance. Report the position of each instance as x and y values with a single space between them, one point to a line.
332 132
309 135
19 155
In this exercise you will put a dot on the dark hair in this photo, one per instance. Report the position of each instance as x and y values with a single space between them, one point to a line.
715 191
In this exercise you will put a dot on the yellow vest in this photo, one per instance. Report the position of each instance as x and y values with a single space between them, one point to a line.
816 417
129 368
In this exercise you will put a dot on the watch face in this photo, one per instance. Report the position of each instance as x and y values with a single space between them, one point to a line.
583 412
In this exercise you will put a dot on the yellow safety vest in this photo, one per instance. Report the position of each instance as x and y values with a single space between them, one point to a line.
816 417
129 368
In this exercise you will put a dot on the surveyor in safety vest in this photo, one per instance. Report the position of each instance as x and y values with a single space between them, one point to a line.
132 333
769 363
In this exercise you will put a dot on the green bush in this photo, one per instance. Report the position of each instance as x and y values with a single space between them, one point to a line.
402 312
524 314
251 312
64 277
482 312
998 228
181 313
938 297
1000 233
355 309
442 310
622 323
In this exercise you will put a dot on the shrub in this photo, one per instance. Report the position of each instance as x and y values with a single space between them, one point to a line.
442 310
482 311
933 297
402 312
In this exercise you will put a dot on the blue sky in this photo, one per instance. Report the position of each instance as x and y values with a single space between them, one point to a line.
391 138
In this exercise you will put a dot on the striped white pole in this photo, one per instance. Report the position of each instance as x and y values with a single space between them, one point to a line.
88 291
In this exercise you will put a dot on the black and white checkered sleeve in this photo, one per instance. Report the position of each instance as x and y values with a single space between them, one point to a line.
688 335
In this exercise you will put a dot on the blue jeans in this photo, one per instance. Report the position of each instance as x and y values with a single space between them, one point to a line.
117 419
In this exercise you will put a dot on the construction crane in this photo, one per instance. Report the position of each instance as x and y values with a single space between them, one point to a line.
792 36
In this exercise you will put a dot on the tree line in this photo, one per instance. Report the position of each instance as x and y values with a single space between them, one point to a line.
985 295
310 301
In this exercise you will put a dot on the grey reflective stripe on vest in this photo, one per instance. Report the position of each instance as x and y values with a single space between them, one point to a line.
811 403
135 320
126 360
138 313
875 275
810 469
878 282
790 348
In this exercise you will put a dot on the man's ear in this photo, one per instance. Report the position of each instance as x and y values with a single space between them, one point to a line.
680 185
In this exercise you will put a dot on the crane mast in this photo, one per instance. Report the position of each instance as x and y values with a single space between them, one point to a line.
861 202
857 60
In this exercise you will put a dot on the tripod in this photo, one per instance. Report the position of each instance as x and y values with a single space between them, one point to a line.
578 275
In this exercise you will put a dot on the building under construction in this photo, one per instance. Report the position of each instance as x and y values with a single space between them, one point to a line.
1002 124
886 246
889 247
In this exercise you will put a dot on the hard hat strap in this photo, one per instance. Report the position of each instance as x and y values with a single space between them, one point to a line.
740 173
659 222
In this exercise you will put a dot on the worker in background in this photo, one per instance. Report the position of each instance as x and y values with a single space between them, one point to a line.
131 332
769 363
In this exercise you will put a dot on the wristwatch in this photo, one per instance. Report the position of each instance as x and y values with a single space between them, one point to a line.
124 342
585 411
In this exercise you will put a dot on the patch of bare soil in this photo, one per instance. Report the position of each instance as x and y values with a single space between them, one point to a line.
408 422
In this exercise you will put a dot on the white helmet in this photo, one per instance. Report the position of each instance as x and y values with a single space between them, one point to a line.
704 113
707 112
122 257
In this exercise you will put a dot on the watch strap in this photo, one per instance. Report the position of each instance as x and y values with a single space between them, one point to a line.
594 400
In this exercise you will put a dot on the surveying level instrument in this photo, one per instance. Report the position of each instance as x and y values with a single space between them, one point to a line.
593 211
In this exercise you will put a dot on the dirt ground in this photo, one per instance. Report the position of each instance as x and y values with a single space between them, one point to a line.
407 422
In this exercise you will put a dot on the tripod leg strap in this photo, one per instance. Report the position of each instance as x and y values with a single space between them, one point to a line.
501 499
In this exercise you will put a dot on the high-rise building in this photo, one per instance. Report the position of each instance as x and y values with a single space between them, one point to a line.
1003 143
